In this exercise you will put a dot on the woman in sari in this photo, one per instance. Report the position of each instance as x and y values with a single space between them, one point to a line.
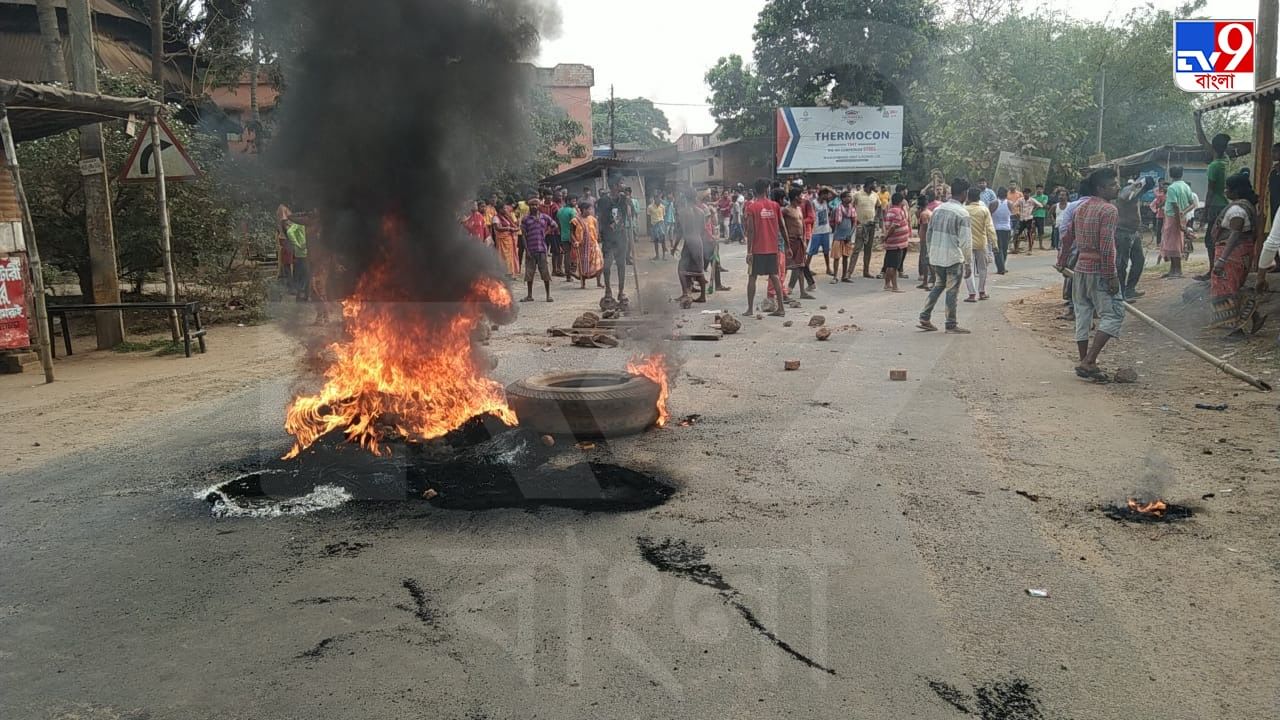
1236 235
584 232
505 228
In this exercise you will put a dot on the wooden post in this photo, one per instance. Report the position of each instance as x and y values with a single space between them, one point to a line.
166 246
33 251
97 193
1264 111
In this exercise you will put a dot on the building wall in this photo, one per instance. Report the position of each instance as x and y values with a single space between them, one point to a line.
569 85
234 101
741 166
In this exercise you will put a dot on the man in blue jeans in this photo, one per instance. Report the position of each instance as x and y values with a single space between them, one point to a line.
950 243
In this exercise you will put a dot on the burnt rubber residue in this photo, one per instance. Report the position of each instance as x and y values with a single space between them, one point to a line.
468 470
343 548
688 561
325 600
951 695
318 651
1011 699
420 608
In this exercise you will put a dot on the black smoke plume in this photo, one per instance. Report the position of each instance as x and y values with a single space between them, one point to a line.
392 108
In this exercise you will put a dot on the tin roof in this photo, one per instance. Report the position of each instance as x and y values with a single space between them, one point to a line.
113 8
1268 90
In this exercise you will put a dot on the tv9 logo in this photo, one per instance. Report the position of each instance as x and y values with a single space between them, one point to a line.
1213 55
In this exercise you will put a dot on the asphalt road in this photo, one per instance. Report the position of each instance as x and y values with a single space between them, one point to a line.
863 556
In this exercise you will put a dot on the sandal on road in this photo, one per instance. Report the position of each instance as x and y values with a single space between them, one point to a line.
1094 374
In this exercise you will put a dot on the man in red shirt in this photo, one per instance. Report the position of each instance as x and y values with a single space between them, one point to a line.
763 225
723 206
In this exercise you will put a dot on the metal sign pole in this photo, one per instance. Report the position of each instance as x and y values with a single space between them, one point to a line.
33 251
162 196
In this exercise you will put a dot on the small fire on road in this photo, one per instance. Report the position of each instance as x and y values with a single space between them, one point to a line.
654 367
1135 510
1156 507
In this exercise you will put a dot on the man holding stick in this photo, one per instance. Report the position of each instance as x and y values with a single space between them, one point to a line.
1096 284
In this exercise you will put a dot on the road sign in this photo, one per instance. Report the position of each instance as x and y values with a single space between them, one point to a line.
1214 55
141 165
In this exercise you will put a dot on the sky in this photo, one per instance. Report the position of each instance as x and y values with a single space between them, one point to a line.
661 49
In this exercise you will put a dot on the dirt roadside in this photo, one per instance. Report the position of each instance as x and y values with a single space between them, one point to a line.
1192 598
97 394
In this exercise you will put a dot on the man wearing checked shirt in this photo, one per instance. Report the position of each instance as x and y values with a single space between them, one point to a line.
1091 233
950 244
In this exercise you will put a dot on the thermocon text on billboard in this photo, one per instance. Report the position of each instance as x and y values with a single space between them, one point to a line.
812 139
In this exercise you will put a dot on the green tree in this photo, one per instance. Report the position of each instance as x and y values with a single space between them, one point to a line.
635 120
735 99
994 85
829 52
555 139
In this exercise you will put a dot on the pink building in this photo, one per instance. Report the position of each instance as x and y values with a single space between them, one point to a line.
569 85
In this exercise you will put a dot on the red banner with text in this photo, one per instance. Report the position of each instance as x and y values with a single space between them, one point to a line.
14 331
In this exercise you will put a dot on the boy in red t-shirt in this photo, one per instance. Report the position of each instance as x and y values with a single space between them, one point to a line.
763 225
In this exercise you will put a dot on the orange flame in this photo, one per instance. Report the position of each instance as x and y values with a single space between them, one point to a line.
1155 507
406 366
654 367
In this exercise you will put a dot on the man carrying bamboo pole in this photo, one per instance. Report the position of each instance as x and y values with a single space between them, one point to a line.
1096 285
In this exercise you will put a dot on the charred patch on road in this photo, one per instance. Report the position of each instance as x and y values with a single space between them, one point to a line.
687 560
420 608
472 469
343 548
1151 512
1011 699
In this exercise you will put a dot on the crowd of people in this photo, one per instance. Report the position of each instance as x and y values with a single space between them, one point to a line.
965 232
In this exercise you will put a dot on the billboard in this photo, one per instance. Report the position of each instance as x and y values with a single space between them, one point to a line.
1026 170
816 139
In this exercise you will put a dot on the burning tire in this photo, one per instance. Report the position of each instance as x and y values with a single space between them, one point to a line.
587 403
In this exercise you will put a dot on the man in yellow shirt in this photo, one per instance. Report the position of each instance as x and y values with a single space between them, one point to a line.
983 230
867 204
657 216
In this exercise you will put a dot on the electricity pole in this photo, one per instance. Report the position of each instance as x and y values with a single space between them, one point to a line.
613 152
93 173
157 43
1102 106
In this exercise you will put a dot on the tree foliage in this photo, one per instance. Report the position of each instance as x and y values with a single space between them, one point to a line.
635 120
1034 84
736 101
829 52
554 138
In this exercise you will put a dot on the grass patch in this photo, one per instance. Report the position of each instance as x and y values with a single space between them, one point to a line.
159 346
171 348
